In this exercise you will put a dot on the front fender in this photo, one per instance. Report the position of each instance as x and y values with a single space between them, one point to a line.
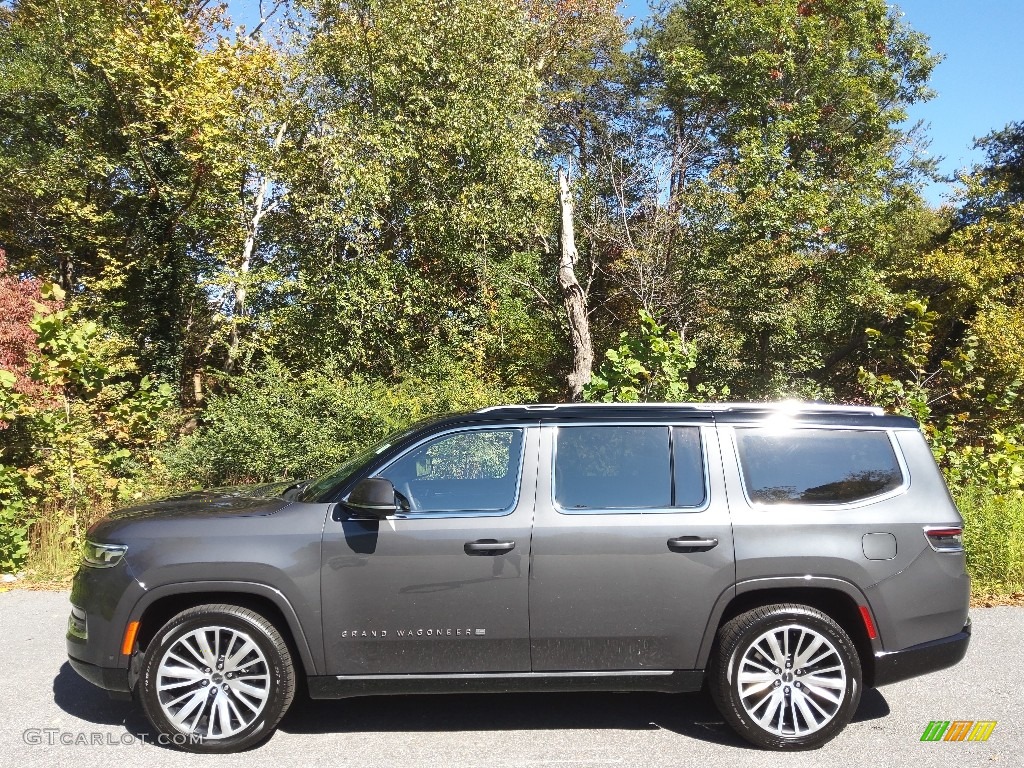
309 644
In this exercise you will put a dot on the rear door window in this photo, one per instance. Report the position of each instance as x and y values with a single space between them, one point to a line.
628 467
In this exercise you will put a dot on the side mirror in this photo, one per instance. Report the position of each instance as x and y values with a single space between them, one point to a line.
373 495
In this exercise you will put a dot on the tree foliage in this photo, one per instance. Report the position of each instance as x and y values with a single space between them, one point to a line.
238 254
786 197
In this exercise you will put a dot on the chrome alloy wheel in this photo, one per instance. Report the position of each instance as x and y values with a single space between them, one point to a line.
213 682
791 680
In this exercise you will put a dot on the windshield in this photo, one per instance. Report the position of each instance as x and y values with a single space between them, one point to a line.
323 488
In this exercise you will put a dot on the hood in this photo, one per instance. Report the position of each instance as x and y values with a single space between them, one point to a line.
240 501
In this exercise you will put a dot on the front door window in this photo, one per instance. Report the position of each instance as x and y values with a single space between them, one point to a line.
470 471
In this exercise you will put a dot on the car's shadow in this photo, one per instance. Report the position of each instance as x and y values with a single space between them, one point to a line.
85 701
693 715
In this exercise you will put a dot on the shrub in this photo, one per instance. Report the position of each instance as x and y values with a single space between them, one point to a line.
78 427
650 364
276 425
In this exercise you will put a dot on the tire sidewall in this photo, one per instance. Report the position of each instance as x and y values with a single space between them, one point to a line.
256 731
728 691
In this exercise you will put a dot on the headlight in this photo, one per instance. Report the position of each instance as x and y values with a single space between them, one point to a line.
102 555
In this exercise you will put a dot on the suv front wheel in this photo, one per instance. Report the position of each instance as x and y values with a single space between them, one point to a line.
216 678
785 676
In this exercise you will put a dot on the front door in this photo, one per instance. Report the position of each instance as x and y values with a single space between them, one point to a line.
441 587
632 546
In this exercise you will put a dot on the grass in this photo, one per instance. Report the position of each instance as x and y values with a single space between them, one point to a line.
994 540
53 555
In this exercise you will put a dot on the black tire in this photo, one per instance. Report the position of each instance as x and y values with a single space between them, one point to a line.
229 698
779 708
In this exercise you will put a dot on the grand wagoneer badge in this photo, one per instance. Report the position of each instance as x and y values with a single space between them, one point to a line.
420 632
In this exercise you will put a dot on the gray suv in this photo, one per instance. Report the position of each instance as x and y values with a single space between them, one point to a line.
787 554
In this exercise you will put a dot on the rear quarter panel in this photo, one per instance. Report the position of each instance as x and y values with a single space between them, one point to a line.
916 596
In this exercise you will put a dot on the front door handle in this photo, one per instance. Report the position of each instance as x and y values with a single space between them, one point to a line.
687 544
489 547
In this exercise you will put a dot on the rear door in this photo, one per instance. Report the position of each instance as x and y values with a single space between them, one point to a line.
632 545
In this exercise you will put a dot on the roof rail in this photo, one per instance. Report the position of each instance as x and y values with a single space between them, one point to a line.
803 406
784 406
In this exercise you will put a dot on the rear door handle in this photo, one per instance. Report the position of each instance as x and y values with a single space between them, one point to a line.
686 544
489 547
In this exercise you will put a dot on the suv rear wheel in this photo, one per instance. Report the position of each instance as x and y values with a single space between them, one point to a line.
216 678
785 676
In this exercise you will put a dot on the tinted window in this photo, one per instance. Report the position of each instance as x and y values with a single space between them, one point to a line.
613 468
465 471
687 467
816 466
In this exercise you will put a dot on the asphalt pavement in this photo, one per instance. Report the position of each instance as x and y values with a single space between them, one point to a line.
51 717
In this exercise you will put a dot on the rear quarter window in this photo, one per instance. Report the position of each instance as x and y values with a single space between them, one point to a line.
816 466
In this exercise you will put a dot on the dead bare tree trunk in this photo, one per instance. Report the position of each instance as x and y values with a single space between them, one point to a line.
238 309
573 296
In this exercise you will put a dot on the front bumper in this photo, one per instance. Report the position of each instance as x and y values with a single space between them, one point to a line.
113 680
894 666
101 603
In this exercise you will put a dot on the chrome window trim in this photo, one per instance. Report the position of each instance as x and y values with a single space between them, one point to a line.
463 513
555 426
825 505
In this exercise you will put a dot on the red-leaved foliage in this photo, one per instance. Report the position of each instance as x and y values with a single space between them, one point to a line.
18 299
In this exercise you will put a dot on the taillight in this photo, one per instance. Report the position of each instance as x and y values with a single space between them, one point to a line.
945 538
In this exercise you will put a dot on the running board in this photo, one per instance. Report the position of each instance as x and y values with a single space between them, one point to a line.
660 680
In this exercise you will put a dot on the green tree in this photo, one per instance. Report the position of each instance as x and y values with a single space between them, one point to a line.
129 144
998 181
784 184
417 195
971 272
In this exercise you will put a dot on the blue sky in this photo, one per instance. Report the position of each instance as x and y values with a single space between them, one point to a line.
980 83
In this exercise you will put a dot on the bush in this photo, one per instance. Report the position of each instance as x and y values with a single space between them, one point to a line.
77 427
651 363
275 425
15 521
